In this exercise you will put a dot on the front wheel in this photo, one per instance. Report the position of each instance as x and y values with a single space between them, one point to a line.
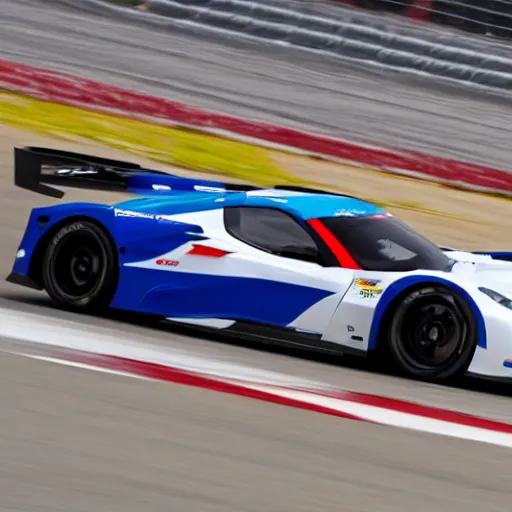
432 334
80 267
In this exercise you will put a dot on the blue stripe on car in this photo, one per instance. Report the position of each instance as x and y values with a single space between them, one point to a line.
180 294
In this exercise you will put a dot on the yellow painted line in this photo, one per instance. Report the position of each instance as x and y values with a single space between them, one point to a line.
179 147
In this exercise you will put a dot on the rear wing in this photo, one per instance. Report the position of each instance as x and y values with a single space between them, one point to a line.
36 169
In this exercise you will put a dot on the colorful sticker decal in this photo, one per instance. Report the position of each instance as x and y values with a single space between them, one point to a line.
167 263
367 288
128 213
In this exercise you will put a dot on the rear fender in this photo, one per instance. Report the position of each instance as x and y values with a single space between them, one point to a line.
43 222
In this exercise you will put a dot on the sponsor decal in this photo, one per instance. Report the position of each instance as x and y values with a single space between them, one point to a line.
204 188
167 263
77 171
344 213
367 288
274 193
161 187
128 213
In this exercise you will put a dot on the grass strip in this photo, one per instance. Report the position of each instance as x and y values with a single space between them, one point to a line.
179 147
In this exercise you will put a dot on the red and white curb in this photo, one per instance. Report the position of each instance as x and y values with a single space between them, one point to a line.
98 348
343 404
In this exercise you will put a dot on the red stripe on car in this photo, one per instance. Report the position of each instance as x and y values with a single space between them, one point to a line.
204 250
342 255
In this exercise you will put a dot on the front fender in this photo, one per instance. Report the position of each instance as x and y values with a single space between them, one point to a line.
409 282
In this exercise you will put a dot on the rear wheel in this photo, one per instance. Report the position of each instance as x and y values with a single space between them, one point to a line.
432 334
80 268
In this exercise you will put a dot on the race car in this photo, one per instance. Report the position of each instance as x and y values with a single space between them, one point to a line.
287 264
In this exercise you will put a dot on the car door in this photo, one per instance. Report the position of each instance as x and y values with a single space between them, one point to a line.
253 264
274 272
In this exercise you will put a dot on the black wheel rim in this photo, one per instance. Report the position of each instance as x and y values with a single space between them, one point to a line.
431 331
77 264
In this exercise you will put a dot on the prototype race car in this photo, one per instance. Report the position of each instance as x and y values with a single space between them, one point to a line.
286 264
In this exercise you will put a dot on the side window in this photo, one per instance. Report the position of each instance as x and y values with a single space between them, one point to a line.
272 231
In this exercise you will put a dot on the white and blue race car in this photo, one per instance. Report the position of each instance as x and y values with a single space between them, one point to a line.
286 264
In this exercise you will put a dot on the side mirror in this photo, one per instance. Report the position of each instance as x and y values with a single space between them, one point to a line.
300 253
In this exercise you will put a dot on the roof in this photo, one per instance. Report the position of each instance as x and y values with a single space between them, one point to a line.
305 205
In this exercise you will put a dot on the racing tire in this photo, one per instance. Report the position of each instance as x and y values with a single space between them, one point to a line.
432 334
80 267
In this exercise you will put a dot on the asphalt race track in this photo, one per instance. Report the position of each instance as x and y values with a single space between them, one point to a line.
111 443
74 439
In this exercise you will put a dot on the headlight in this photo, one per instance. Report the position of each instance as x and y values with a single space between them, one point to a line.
497 297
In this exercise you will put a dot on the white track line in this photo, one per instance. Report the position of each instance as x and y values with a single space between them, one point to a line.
393 418
82 366
57 332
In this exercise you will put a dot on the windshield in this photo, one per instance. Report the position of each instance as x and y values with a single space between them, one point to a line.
383 243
